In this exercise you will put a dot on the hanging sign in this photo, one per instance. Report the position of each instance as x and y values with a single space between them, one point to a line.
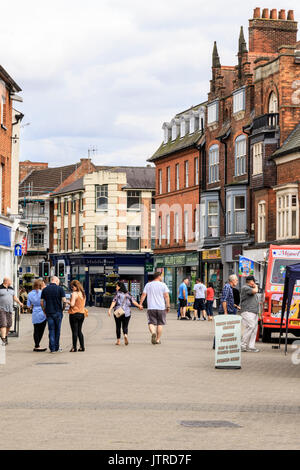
246 267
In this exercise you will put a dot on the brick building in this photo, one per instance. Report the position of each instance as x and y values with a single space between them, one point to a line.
103 224
177 197
248 160
12 231
35 189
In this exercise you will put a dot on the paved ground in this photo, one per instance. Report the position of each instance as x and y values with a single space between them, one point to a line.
135 397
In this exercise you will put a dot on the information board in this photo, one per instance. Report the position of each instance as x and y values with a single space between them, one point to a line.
228 341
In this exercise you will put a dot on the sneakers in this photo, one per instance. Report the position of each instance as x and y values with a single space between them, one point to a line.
153 338
255 350
244 349
3 341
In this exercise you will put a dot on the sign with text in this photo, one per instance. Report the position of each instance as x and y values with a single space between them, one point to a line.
228 341
246 267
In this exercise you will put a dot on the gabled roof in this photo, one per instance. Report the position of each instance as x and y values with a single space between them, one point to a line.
71 188
8 80
290 145
45 181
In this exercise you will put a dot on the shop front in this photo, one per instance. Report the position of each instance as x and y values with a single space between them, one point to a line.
212 269
176 267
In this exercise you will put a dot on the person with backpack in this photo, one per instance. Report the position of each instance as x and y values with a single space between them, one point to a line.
121 305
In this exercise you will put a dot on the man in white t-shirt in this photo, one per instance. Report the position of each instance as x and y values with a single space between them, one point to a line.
200 296
158 301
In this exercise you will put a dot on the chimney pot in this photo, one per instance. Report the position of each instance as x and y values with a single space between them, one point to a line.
290 15
273 14
281 15
265 13
256 13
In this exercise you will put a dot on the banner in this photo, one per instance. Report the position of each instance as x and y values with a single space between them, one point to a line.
228 341
246 267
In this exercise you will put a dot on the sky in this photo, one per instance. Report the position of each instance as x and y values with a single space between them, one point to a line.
106 74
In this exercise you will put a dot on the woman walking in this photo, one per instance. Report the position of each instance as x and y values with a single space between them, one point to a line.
77 312
38 317
210 293
122 303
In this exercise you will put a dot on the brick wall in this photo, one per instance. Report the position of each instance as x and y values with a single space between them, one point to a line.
5 151
27 166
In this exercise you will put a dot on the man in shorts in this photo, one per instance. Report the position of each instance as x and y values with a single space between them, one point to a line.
183 298
158 304
7 298
200 296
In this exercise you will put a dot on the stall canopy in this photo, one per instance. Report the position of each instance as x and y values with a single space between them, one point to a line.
291 276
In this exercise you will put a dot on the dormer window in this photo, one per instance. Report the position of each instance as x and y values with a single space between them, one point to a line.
184 126
167 132
175 129
213 112
239 103
194 122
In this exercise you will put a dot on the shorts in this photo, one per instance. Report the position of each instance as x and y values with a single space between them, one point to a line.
183 303
156 317
5 319
199 304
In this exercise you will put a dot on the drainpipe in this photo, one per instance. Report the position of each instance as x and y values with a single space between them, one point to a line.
248 178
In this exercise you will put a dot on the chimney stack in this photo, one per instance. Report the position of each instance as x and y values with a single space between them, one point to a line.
256 13
265 13
290 15
273 15
281 15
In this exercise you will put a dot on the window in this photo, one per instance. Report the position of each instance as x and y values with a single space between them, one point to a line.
288 213
153 202
186 226
59 206
261 222
159 181
196 170
168 235
228 216
37 238
41 208
81 238
186 174
239 214
133 237
166 129
153 237
257 158
273 103
168 179
58 240
102 197
66 206
196 224
214 164
177 186
66 239
175 130
239 101
3 111
182 128
81 202
73 205
212 219
212 112
176 228
240 155
73 238
133 200
101 237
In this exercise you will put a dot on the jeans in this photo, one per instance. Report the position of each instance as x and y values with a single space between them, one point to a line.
209 307
76 321
38 331
54 324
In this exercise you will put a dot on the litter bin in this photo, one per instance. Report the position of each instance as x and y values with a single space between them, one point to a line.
14 331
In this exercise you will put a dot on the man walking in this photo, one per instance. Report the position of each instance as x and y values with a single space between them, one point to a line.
183 298
54 297
158 301
249 312
7 298
200 296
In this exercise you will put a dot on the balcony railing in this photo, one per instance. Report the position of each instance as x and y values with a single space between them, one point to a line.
266 121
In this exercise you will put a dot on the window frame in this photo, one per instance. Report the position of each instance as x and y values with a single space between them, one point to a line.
136 236
285 213
98 197
261 221
257 158
214 164
213 112
239 100
240 160
103 237
137 196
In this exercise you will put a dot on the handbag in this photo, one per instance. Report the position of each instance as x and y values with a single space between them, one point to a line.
119 312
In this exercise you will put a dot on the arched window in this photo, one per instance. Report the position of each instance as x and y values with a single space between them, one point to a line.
240 155
261 221
273 103
214 164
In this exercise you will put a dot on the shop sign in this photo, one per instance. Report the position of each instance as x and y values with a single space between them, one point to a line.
99 261
149 267
159 261
246 267
192 259
228 341
211 254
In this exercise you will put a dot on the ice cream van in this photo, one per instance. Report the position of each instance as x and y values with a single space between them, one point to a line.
278 258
